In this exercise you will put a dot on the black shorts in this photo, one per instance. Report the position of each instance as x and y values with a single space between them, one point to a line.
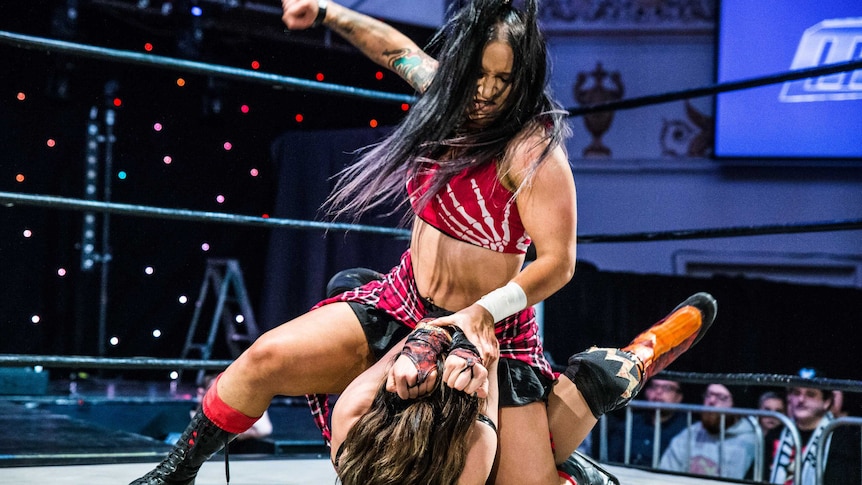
519 383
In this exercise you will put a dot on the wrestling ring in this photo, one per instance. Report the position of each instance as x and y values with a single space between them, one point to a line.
106 466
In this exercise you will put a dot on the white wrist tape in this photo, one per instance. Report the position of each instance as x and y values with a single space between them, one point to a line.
505 301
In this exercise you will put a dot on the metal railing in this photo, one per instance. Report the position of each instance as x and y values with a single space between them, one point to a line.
690 410
821 450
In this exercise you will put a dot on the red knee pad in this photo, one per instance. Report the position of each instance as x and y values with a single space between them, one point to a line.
222 415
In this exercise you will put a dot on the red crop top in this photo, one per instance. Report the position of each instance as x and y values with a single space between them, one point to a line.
473 207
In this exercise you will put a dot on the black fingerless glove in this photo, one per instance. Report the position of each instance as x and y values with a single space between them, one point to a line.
463 348
424 346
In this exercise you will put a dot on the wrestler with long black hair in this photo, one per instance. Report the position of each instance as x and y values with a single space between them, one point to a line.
480 161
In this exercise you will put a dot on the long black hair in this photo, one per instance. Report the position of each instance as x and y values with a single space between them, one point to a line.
436 124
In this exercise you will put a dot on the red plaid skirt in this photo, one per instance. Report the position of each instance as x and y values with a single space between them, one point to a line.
396 294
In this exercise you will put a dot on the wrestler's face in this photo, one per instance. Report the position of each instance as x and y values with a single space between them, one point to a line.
494 83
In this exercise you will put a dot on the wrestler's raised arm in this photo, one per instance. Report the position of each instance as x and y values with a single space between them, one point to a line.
379 41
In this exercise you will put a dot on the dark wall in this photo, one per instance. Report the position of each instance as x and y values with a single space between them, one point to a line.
59 93
761 327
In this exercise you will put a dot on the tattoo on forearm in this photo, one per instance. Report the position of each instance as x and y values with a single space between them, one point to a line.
411 66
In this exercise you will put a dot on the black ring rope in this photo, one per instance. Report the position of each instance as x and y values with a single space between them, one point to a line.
795 228
718 88
87 362
749 379
10 199
31 42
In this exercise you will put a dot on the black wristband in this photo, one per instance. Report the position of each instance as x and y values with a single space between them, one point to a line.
321 13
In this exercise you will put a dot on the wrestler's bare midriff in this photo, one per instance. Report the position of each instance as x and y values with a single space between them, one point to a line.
452 273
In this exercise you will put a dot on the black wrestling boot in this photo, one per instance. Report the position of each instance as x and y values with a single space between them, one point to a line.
201 440
609 378
586 471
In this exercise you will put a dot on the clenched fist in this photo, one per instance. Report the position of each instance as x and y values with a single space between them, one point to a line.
298 14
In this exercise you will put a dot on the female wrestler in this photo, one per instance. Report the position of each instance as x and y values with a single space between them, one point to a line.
486 174
443 436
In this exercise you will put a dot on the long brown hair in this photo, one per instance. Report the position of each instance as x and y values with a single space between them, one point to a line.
414 442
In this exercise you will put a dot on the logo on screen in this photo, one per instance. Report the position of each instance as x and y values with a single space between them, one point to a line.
827 42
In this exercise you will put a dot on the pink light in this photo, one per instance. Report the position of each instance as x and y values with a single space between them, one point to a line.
220 199
61 272
205 247
21 96
19 178
244 109
157 126
228 145
51 143
28 233
254 172
167 159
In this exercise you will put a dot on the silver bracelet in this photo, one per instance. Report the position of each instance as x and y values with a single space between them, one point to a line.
321 13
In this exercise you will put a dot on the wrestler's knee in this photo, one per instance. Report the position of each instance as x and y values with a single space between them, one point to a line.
607 378
264 358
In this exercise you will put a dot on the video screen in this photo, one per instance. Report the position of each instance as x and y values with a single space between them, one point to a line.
811 118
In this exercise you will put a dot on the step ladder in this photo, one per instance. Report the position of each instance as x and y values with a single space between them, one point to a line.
232 312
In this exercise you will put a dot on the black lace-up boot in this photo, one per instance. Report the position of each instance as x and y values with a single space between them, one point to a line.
201 440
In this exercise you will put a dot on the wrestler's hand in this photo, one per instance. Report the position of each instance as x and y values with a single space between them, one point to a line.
403 376
478 326
298 14
466 375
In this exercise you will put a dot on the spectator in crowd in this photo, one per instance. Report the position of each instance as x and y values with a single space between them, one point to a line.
770 401
809 408
643 425
838 409
696 449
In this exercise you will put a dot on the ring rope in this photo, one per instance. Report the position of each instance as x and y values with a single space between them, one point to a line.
11 198
87 362
738 231
750 379
718 88
31 42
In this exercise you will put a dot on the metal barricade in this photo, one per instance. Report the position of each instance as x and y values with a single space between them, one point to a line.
827 431
690 410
